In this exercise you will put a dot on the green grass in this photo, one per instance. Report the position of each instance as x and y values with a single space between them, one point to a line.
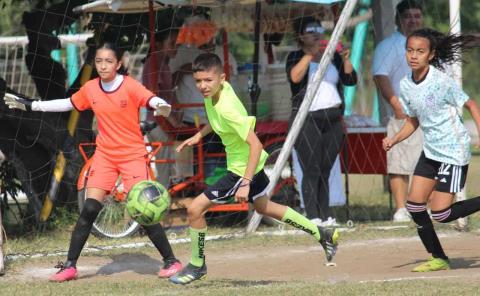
241 287
368 202
99 285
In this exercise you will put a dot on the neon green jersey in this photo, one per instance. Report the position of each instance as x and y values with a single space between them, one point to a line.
230 121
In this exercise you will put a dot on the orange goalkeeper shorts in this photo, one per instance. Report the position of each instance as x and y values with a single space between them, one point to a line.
104 172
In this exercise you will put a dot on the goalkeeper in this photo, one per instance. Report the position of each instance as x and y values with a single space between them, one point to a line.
246 180
115 99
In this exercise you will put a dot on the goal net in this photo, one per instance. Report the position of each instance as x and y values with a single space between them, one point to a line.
51 55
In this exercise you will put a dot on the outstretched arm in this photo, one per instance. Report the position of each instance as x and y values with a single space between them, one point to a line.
16 102
474 110
206 129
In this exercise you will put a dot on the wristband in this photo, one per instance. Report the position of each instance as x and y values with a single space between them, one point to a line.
27 103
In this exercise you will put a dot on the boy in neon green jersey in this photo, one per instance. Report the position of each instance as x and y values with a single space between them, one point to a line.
246 180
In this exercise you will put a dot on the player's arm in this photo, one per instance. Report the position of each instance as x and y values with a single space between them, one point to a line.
253 159
206 129
16 102
254 156
474 110
410 125
386 90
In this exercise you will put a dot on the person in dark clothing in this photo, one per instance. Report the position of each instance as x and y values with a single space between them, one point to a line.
322 135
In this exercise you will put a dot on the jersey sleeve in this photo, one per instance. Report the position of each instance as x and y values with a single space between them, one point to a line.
80 99
455 96
140 93
239 124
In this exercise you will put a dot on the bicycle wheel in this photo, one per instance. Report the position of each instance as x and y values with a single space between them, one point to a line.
113 220
285 192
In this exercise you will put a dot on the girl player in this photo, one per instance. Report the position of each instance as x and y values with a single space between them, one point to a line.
432 101
115 99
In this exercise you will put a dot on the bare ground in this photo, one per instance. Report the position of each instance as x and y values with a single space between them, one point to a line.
359 261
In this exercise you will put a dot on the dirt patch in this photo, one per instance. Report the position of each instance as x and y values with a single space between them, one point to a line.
359 261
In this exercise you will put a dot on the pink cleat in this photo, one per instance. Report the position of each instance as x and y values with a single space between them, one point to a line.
170 268
64 274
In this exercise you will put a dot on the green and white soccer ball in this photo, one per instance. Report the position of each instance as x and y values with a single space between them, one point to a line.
148 202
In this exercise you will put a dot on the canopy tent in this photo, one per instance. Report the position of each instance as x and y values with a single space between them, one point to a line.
231 15
235 15
136 6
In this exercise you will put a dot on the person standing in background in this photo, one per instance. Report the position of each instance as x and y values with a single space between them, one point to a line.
165 50
322 135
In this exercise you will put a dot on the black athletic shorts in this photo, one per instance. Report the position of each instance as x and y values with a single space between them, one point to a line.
224 190
450 178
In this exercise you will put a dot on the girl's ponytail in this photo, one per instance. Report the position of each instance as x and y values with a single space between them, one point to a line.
448 48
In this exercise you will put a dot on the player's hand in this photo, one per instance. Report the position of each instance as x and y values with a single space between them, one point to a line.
162 109
189 142
241 195
387 144
15 102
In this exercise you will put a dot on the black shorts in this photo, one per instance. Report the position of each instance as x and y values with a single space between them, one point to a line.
450 178
224 190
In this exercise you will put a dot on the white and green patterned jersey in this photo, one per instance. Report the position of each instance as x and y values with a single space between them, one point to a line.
436 102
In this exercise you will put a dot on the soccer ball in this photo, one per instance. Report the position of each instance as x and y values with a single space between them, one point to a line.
148 202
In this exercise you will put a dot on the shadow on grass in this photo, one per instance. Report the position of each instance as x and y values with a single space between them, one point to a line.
135 262
465 263
455 263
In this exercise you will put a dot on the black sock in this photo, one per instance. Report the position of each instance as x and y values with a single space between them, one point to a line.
425 229
82 230
457 210
159 239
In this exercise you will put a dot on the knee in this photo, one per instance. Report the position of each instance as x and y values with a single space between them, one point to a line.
90 209
442 216
419 214
262 210
193 212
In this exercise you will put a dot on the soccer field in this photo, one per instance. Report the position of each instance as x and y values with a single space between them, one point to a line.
374 258
370 261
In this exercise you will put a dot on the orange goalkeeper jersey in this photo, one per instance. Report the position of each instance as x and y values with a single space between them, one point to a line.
117 114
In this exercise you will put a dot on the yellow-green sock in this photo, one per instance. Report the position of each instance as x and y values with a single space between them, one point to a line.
299 221
197 237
